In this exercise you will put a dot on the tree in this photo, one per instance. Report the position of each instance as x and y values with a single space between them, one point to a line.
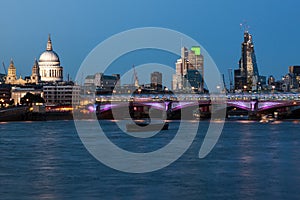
30 98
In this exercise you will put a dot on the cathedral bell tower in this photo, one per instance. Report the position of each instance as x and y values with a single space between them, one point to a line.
11 74
35 76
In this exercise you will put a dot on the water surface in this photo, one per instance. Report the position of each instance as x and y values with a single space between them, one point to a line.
46 160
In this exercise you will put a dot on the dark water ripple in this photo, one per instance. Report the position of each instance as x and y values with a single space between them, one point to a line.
46 160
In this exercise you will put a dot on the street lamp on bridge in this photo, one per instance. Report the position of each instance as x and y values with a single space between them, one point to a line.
273 88
245 88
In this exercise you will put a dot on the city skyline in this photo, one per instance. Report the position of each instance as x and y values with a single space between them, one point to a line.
76 33
189 67
160 99
188 74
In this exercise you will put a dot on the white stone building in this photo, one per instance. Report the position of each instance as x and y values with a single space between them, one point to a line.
49 65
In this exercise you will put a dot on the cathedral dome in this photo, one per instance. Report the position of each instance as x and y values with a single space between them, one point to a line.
49 56
49 65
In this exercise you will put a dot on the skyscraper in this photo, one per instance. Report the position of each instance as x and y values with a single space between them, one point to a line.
247 76
156 80
189 70
294 70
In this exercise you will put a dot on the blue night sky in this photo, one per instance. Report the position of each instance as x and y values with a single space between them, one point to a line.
78 26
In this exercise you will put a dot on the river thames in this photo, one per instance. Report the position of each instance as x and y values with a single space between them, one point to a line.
47 160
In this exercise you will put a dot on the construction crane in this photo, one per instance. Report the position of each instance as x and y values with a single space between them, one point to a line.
230 80
224 84
5 72
244 26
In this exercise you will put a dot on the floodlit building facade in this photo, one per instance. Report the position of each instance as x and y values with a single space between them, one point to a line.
247 76
191 61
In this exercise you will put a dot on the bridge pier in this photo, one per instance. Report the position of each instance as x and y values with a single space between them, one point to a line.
170 113
205 112
253 112
254 115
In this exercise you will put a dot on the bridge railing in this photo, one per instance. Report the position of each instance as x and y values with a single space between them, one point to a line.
199 97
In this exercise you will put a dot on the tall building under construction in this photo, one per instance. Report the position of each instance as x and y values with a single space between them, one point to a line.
247 77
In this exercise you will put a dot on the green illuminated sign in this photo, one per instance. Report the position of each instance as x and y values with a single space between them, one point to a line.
196 49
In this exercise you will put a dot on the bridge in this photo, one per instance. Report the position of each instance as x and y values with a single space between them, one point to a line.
252 103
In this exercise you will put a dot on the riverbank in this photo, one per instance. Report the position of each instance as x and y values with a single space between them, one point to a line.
24 113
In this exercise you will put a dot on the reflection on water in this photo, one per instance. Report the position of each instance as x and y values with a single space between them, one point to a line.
296 121
46 160
245 121
276 122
